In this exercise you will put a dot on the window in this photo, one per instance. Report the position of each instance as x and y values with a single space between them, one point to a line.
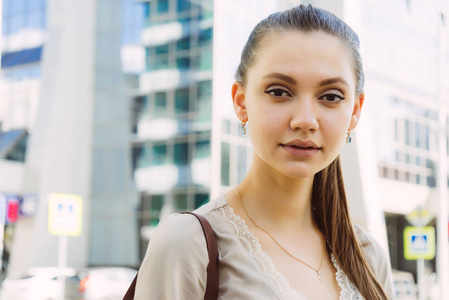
407 132
205 89
181 153
242 163
205 37
183 63
182 100
202 149
159 155
183 5
136 156
157 201
201 199
162 6
206 59
180 202
160 102
147 10
144 159
183 44
161 49
225 164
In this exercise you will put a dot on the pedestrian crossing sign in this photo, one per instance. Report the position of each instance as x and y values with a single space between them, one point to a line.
65 214
419 242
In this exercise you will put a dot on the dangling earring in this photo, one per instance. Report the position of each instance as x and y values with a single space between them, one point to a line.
243 126
348 137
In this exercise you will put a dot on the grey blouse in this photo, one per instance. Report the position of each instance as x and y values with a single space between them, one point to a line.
174 267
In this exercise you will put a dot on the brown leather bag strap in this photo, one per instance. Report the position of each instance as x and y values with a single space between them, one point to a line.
212 267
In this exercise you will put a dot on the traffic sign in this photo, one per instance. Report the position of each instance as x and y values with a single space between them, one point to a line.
420 216
419 242
65 214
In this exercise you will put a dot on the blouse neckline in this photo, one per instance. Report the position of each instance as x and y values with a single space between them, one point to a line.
265 264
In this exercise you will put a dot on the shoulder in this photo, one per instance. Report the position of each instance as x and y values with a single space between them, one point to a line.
174 266
377 258
176 233
374 253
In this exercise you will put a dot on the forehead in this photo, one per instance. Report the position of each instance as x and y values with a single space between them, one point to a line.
315 55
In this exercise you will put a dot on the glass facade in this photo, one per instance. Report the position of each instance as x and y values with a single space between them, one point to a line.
23 31
405 67
172 120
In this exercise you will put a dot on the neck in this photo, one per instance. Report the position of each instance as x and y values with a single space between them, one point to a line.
278 200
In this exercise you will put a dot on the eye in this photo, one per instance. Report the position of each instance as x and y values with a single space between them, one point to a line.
278 92
332 97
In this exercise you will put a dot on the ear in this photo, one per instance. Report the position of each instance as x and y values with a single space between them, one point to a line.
357 110
238 99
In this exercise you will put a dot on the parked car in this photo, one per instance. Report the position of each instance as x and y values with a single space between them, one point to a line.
404 285
108 283
41 284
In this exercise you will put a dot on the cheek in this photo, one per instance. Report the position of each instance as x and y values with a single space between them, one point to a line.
335 129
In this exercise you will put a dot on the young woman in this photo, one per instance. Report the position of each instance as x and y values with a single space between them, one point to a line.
285 231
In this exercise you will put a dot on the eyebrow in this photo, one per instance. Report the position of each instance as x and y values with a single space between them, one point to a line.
333 80
281 76
291 80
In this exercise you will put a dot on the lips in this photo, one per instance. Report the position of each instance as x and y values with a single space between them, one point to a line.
302 144
301 149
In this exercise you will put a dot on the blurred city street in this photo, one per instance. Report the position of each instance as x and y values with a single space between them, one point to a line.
116 113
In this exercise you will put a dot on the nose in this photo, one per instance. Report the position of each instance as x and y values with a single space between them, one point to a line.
304 116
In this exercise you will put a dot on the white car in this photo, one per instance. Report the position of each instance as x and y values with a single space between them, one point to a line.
404 285
106 283
40 284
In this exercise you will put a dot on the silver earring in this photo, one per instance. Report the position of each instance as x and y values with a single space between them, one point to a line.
348 137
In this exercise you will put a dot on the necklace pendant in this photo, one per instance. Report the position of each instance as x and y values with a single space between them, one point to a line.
319 277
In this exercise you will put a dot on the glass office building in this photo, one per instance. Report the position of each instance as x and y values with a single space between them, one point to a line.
172 110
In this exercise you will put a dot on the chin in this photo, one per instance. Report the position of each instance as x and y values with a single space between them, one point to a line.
299 173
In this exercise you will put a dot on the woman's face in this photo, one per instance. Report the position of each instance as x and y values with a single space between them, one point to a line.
299 98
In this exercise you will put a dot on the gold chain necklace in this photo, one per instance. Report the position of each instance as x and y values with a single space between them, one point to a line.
318 273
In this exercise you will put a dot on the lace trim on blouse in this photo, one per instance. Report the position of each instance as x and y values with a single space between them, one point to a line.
266 266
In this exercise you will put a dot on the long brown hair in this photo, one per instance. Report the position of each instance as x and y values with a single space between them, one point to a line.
330 212
330 208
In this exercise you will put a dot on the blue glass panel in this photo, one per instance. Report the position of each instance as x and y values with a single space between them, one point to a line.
202 149
163 49
7 7
201 199
18 152
16 22
33 4
8 138
183 5
183 44
159 154
146 9
182 100
17 6
205 36
183 63
136 156
225 149
162 6
35 19
161 62
5 28
22 57
181 153
183 127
